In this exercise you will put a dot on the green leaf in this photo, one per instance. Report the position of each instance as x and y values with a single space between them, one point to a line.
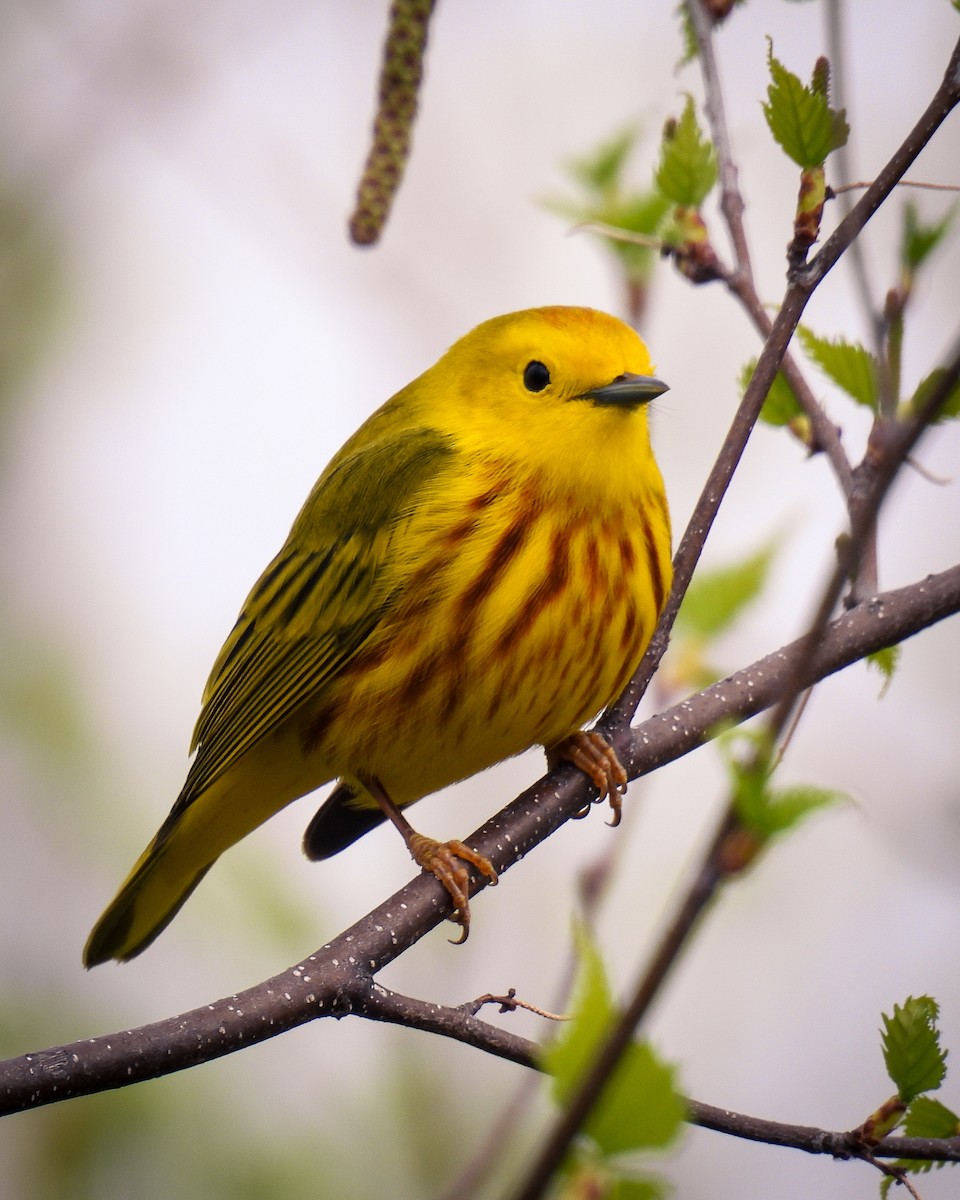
714 601
641 212
949 410
716 598
925 1118
687 35
770 811
781 405
919 241
848 364
640 1107
568 1055
911 1047
928 1118
601 172
763 810
885 661
584 1175
639 1189
688 163
787 807
600 176
800 117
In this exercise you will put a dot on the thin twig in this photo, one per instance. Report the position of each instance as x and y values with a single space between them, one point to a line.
741 282
942 104
861 184
858 264
731 199
925 473
617 234
508 1002
886 462
825 434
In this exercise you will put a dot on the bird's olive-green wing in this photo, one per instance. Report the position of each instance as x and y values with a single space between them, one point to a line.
318 601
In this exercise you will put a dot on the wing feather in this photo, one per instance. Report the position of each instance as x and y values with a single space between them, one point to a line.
318 601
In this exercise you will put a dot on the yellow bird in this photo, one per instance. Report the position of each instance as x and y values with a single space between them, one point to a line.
478 570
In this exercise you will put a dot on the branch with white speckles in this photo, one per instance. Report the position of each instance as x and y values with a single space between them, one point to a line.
339 979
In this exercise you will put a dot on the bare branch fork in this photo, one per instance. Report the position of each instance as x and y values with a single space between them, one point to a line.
339 980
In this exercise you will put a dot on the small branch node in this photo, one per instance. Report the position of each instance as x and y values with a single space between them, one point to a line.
510 1003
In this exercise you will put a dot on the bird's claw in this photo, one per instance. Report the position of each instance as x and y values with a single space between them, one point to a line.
592 753
445 861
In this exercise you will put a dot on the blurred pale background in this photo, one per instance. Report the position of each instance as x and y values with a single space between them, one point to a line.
174 187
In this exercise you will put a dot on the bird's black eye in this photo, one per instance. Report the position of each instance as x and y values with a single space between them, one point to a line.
535 376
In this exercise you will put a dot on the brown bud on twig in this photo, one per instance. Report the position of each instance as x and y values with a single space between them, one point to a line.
693 254
806 226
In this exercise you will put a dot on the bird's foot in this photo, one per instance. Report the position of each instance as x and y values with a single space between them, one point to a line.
592 753
445 861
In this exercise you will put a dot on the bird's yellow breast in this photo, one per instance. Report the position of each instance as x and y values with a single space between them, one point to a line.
528 608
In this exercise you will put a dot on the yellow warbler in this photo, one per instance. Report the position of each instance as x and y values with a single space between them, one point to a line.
478 570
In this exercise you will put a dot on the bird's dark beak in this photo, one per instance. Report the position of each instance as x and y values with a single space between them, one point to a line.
627 391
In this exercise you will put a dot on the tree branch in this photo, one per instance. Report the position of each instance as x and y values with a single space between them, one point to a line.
858 265
795 299
741 282
844 1145
893 443
338 980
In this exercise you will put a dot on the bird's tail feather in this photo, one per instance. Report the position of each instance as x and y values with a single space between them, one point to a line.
143 907
339 822
198 830
152 895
